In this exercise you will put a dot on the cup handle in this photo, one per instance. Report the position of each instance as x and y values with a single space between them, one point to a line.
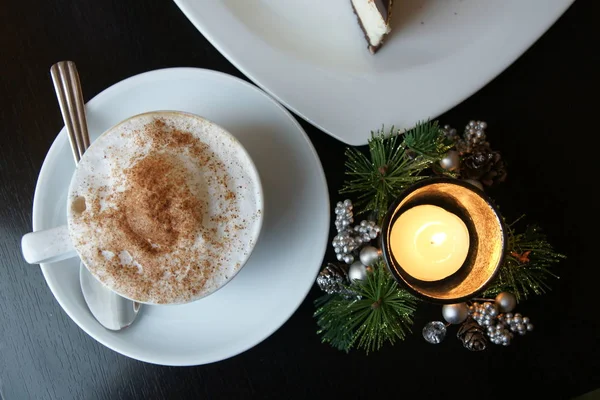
48 245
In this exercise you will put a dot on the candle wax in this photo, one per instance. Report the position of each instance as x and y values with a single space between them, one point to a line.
429 242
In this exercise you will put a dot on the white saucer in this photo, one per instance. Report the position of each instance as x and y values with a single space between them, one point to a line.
286 260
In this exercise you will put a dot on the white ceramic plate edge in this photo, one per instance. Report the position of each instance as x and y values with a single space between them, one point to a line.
339 130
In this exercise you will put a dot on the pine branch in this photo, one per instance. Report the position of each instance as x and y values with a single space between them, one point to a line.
383 313
426 139
528 264
380 177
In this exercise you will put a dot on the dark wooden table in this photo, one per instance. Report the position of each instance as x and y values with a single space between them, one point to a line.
542 116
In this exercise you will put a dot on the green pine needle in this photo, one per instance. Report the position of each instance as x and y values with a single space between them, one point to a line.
395 160
383 313
426 140
524 276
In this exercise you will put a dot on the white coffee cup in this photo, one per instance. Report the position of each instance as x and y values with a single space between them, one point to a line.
189 161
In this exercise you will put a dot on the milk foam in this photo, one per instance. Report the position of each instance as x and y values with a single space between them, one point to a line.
196 267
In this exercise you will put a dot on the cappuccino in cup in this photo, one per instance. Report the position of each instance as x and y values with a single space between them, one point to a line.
165 208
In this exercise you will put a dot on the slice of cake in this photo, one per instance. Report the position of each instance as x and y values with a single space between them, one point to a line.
374 19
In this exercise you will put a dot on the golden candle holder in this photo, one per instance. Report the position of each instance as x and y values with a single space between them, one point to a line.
486 239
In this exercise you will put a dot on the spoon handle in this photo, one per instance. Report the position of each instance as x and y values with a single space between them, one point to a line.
70 99
111 310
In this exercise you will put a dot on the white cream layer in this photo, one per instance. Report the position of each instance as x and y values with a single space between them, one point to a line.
372 21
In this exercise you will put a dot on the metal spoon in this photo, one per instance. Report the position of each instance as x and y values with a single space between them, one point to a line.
114 312
110 309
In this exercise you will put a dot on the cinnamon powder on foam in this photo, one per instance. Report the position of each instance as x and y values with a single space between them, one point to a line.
149 235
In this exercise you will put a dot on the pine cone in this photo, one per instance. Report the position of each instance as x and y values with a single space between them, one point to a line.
483 164
472 335
333 279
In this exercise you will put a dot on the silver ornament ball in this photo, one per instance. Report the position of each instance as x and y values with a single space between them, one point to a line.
517 319
451 161
369 255
357 271
455 313
506 302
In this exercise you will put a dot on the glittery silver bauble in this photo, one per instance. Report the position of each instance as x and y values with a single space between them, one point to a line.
434 332
506 302
455 313
369 254
475 183
451 161
357 271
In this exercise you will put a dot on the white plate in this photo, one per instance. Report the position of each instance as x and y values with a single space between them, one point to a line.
311 54
286 259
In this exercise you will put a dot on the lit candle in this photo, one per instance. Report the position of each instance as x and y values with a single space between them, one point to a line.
429 242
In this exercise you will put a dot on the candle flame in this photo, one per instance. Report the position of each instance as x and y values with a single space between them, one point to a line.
438 238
